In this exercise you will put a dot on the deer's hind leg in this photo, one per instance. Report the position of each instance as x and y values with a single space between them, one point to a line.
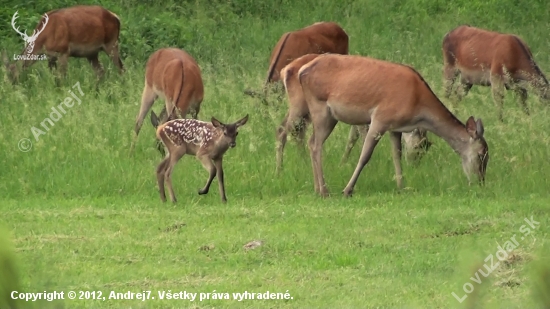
522 98
161 170
323 124
174 156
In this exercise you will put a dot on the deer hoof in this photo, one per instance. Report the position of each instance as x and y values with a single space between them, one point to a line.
347 193
202 191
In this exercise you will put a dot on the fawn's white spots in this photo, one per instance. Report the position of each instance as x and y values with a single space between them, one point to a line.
189 131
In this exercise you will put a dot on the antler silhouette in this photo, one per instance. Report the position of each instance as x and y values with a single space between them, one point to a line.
24 35
35 33
30 40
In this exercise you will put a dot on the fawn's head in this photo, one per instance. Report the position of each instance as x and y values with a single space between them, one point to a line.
474 161
230 131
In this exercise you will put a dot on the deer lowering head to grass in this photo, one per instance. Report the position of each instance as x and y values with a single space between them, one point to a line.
488 58
208 141
175 76
297 119
80 31
391 98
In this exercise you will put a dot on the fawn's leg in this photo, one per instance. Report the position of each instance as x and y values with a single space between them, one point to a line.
161 170
210 167
221 183
175 156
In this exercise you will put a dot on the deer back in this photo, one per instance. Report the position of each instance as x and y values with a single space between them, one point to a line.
175 76
474 49
194 135
319 38
86 29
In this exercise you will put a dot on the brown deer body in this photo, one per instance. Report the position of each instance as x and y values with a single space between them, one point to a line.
297 118
487 58
208 141
318 38
173 75
391 98
80 31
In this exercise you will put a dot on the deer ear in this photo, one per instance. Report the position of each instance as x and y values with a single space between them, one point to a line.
217 123
242 122
154 119
471 127
479 128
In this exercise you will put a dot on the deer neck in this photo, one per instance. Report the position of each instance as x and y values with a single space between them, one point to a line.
444 124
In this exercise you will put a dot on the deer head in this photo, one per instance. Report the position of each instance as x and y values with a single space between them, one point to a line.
230 130
29 39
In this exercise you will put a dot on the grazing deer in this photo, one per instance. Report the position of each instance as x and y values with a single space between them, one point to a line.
175 76
208 141
80 31
486 58
297 118
318 38
390 97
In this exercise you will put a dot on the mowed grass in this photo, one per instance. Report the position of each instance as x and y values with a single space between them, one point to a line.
85 215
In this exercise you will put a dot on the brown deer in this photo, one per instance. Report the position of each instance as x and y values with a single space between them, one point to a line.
390 97
318 38
297 118
486 58
208 141
175 76
80 31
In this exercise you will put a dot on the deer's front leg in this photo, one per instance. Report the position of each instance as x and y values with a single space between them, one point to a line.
211 168
221 183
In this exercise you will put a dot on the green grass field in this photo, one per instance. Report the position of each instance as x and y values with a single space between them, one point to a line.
84 215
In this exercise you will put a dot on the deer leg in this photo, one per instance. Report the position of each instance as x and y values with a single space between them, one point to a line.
111 50
375 133
94 61
52 63
449 75
211 168
497 89
63 62
281 142
323 125
174 156
161 170
522 96
462 90
395 138
147 98
221 182
352 139
194 113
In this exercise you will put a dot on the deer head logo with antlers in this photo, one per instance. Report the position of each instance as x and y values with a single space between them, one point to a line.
29 39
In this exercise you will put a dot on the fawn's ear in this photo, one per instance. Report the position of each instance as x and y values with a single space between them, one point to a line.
217 123
242 121
154 119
